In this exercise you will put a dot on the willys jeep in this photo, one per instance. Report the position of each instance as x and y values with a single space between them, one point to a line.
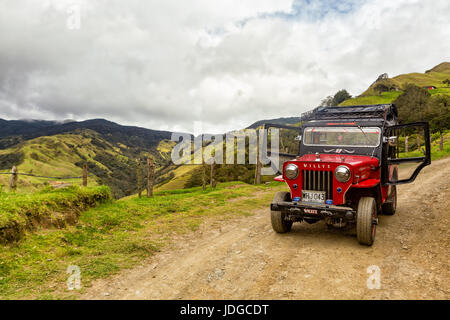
347 167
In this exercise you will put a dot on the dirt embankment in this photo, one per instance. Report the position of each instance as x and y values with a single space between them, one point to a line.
245 259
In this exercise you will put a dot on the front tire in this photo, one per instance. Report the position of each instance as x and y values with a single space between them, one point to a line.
366 221
279 224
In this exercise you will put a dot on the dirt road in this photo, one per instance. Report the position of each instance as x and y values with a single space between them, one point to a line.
245 259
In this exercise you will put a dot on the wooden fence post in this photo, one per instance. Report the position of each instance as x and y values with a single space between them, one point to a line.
213 181
85 175
14 177
204 177
150 177
139 177
406 144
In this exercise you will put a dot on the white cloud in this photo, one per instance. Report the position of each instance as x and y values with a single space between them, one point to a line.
166 64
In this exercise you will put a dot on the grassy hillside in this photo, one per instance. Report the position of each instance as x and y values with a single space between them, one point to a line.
385 97
51 148
285 121
112 164
51 156
177 178
117 235
191 175
433 77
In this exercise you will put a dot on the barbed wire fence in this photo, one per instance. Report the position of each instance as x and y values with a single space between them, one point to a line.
46 177
14 173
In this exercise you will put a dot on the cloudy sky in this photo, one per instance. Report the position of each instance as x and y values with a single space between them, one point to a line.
168 64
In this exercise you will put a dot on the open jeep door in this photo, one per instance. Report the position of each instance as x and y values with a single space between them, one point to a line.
409 151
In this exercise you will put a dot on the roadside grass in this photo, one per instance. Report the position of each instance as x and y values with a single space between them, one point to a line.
20 212
117 235
436 153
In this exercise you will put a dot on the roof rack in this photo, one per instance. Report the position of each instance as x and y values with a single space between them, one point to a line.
383 111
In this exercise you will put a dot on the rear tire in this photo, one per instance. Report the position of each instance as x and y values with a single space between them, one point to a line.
279 224
390 207
365 221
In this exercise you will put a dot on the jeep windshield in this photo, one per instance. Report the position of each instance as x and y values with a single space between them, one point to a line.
342 136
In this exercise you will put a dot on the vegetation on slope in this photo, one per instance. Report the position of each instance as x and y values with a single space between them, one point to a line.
386 90
336 99
286 121
436 151
118 234
383 98
47 208
111 164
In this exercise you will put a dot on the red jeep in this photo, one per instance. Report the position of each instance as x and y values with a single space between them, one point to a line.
347 168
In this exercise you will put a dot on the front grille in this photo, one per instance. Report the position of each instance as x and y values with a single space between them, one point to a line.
318 181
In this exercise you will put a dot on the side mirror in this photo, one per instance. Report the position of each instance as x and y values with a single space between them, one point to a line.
298 138
392 141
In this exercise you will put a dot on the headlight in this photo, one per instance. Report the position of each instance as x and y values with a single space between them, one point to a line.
291 171
342 174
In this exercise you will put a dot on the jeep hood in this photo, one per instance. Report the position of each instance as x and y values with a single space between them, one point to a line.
352 160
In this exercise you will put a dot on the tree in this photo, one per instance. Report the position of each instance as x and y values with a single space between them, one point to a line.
447 82
335 100
412 104
341 96
327 102
438 113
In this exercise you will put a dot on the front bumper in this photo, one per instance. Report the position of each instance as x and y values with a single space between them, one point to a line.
313 210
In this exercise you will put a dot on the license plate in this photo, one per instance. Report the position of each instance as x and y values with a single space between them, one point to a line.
313 196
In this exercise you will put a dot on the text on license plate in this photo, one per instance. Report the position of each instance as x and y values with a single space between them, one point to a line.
313 196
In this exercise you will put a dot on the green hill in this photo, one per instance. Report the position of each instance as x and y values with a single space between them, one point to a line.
443 67
110 163
386 90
